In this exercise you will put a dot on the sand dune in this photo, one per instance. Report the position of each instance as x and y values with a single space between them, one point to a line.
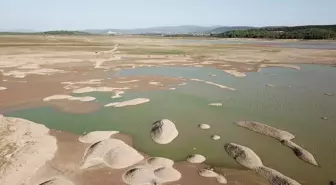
3 88
112 152
160 161
161 171
96 136
164 131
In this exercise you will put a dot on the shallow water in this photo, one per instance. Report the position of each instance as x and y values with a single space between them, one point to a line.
297 109
290 44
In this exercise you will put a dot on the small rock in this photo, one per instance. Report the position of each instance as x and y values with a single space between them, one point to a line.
204 126
324 118
215 137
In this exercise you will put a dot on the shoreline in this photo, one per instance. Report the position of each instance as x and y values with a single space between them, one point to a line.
65 167
30 72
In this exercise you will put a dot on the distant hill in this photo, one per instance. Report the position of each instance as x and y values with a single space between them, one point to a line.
229 28
187 29
64 32
294 32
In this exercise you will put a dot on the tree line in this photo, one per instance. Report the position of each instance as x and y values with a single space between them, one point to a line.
297 32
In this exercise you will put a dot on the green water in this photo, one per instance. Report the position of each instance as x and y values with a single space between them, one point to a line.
297 109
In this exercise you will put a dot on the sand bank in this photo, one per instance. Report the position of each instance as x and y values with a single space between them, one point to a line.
216 104
154 83
266 130
300 152
212 83
23 74
97 89
132 102
163 131
235 73
25 147
3 88
283 136
68 97
74 84
251 160
129 81
280 65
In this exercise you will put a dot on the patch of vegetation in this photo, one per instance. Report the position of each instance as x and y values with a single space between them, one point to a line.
297 32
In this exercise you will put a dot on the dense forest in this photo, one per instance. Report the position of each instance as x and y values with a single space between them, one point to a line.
297 32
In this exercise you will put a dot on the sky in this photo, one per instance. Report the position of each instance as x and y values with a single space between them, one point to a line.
44 15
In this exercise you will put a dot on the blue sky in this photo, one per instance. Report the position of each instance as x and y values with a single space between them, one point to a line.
83 14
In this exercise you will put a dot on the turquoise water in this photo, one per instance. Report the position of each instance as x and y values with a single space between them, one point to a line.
297 109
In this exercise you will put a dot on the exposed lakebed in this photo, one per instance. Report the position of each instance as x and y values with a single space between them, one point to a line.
295 102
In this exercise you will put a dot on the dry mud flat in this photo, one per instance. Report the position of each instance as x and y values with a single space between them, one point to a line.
35 156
